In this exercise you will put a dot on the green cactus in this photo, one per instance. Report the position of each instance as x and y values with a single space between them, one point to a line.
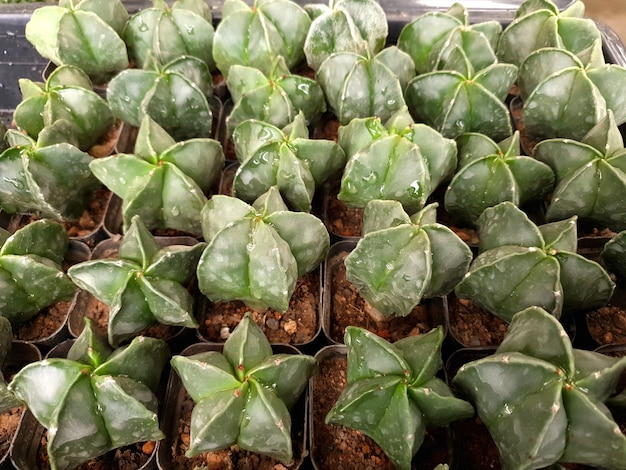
276 98
541 265
490 173
67 95
564 98
539 24
613 254
392 392
147 285
243 395
357 26
360 86
175 95
543 401
590 175
287 159
82 33
399 160
109 393
256 253
255 36
184 29
30 270
164 181
446 41
46 177
401 259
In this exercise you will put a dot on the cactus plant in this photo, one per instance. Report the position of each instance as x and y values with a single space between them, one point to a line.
256 35
392 392
490 173
539 23
287 159
590 177
164 181
184 29
256 253
84 33
110 392
145 286
402 259
243 395
542 400
399 160
542 266
7 399
275 98
174 94
67 95
564 98
357 26
30 270
47 177
613 254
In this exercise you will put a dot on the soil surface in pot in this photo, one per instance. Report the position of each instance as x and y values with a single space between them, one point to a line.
607 324
348 308
341 448
45 324
341 220
232 458
298 325
472 325
9 422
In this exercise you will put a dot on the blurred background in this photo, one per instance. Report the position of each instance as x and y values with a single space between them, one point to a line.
609 12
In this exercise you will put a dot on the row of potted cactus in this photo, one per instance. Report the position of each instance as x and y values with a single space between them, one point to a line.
411 118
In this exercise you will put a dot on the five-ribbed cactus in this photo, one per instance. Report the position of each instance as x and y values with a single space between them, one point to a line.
402 259
256 253
84 33
30 270
163 181
392 392
96 399
543 401
243 395
146 285
523 265
400 161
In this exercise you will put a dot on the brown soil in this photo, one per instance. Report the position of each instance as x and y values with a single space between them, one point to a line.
340 448
348 308
106 144
472 325
607 325
45 324
516 109
8 426
92 216
298 325
341 220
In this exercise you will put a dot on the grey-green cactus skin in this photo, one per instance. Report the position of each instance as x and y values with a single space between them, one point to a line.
256 35
163 181
401 259
539 24
81 33
243 395
565 98
287 159
399 160
256 253
146 285
613 254
542 400
392 392
174 94
542 266
357 26
30 270
590 175
490 173
110 393
184 29
66 95
275 97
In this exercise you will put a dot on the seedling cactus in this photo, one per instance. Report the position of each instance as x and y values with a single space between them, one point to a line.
110 393
542 400
147 285
401 259
392 392
256 253
243 395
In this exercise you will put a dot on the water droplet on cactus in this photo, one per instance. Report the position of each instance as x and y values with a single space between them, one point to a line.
303 88
190 30
264 134
175 211
250 246
371 177
143 27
